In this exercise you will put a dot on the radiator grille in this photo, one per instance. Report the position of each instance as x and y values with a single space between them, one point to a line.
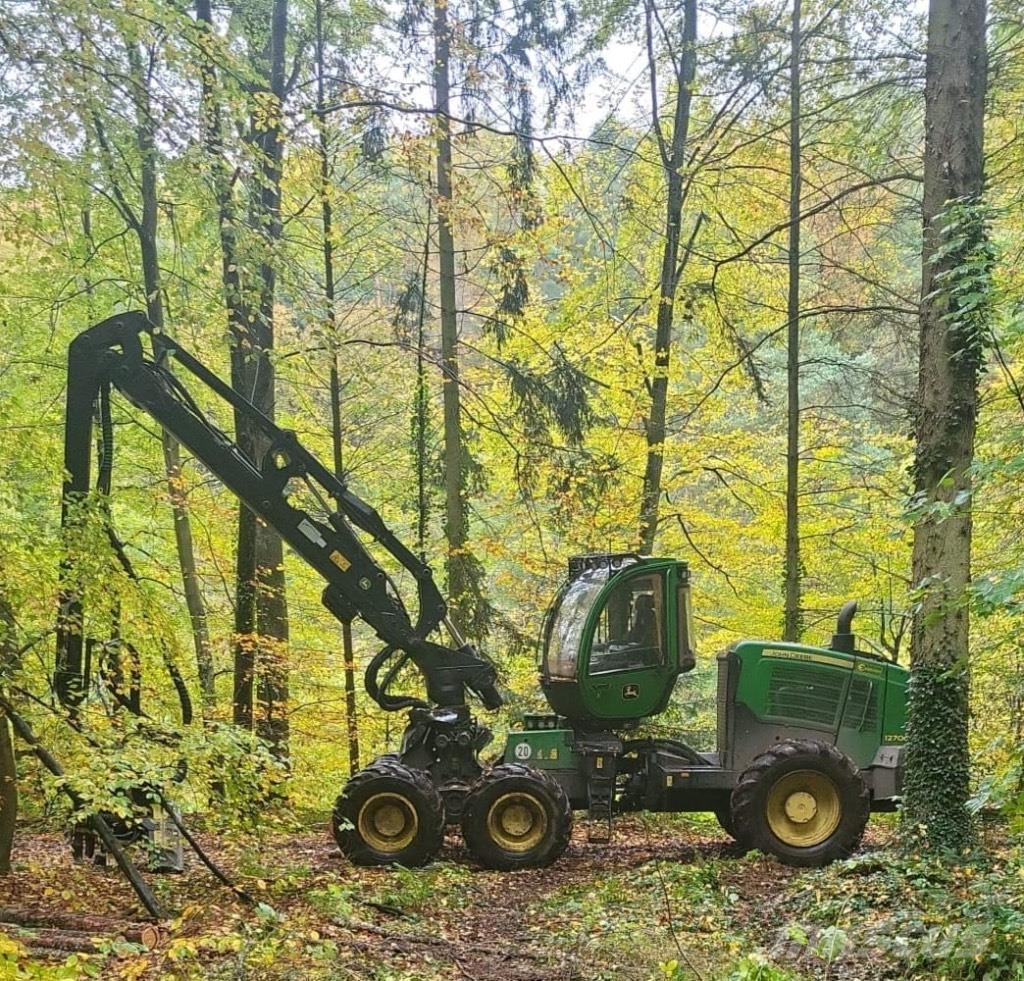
861 705
805 693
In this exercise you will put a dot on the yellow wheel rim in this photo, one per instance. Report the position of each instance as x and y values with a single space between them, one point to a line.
517 822
804 808
388 822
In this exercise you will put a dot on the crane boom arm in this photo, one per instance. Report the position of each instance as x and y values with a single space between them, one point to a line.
113 354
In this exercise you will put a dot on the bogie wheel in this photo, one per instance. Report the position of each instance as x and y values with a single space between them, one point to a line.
389 814
516 817
802 801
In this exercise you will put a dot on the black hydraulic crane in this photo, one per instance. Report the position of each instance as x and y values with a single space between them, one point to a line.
127 354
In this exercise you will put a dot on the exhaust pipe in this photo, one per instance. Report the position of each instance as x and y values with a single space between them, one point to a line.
843 638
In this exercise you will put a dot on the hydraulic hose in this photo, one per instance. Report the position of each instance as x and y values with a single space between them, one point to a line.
379 691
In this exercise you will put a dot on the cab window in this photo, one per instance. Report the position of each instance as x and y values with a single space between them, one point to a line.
565 628
630 632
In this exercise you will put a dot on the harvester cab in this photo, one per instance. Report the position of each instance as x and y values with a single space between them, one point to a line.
617 636
808 739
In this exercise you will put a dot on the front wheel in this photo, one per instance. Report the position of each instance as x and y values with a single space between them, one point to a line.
516 817
802 801
389 814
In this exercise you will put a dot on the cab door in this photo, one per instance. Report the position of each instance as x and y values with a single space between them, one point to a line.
628 664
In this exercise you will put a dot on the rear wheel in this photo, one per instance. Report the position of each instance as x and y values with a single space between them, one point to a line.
802 801
389 814
724 815
516 817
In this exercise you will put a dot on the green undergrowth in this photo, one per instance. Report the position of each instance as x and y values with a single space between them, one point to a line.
407 894
696 911
919 916
885 914
664 919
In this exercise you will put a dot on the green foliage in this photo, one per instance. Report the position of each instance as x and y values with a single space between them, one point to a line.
965 262
921 914
757 967
411 893
1003 789
938 768
14 967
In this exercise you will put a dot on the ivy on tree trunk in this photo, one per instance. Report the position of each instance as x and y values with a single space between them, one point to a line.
951 351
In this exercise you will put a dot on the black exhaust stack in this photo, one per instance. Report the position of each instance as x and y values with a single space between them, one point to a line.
843 638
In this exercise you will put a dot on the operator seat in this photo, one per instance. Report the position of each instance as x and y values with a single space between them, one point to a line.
644 631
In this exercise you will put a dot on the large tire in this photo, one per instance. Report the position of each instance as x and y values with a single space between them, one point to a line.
724 815
802 801
389 814
516 817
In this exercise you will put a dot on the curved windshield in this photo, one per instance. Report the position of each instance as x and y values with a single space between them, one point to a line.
566 630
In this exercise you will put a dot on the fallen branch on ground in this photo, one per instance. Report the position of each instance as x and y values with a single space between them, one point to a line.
141 933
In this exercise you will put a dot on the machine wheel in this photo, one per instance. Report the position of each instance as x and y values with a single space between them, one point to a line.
725 822
389 814
802 801
516 817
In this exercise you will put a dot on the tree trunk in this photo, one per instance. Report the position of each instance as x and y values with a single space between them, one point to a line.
261 612
258 376
351 720
8 761
456 517
420 412
220 178
89 924
8 794
673 155
146 228
947 401
792 620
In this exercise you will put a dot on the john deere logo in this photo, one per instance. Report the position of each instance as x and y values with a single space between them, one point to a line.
630 691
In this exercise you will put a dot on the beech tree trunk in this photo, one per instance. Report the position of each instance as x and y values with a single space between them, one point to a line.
456 516
792 620
673 156
253 372
947 403
422 402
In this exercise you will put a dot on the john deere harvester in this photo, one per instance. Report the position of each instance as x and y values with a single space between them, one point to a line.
809 739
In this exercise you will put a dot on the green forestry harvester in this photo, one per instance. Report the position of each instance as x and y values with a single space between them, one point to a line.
809 739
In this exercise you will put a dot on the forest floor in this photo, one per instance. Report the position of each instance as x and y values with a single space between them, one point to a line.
668 898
